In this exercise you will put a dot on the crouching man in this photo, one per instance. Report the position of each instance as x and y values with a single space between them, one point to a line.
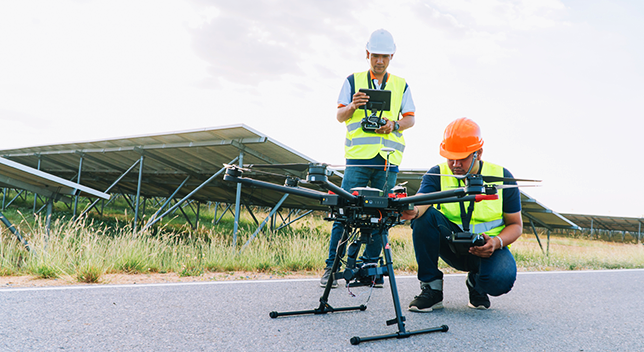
491 267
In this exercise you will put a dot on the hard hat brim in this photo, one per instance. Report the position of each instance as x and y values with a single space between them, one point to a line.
454 155
381 52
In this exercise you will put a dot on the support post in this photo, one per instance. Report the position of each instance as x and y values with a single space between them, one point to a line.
50 203
109 188
165 204
272 213
80 168
14 230
237 202
36 194
138 194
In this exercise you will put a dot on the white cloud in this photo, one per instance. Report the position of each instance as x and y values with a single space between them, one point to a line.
509 14
550 84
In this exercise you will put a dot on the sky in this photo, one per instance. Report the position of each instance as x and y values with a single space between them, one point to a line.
556 86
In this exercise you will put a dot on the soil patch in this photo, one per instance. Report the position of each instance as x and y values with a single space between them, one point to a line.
153 278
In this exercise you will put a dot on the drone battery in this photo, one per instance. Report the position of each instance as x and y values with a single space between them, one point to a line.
376 202
330 200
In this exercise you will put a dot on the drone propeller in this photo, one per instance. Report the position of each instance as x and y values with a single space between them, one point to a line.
290 166
487 178
235 167
513 186
503 179
245 169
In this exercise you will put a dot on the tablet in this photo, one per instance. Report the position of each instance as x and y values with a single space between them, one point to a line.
378 99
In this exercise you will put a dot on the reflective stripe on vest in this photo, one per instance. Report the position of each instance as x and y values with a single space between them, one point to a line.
487 215
366 145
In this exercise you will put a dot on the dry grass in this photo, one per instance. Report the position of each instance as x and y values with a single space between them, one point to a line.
88 252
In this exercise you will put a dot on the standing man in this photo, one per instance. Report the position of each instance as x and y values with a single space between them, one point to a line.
365 158
491 267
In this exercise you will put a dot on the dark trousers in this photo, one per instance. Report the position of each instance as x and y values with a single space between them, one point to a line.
494 276
361 177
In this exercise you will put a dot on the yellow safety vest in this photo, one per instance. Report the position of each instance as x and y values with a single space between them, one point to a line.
366 145
487 216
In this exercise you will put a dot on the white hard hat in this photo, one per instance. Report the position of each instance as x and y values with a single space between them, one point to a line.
381 42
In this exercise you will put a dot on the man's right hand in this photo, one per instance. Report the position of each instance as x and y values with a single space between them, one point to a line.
409 214
359 100
346 112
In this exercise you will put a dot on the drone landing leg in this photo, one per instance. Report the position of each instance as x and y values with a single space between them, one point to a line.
399 319
324 300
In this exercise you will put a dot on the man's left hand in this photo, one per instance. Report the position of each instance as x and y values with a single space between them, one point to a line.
486 250
386 128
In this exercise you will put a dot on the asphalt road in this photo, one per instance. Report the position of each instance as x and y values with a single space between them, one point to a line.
551 311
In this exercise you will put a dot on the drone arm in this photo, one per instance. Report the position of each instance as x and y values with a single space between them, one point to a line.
434 197
309 193
475 197
339 191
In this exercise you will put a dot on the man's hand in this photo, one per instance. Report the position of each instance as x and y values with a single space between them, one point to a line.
386 128
409 214
346 112
486 250
359 100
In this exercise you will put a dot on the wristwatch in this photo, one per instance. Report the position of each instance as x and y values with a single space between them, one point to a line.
396 126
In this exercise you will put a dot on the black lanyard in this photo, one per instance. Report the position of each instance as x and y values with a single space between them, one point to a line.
466 217
382 85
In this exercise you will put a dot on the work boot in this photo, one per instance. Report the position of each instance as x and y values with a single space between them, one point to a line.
477 300
325 278
429 299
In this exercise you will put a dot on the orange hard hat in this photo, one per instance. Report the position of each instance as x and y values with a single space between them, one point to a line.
462 137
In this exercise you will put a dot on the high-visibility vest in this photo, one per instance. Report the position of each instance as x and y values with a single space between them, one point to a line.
366 145
487 215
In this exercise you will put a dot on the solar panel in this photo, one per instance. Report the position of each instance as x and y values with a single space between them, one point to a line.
16 175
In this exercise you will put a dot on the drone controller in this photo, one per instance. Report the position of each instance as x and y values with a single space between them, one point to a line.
379 101
461 242
372 123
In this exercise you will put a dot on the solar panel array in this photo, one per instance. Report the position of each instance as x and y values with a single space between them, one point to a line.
192 157
611 223
168 160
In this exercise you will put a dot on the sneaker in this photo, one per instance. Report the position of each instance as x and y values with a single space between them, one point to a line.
325 278
477 300
427 301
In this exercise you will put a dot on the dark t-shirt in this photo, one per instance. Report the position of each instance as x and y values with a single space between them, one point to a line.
511 196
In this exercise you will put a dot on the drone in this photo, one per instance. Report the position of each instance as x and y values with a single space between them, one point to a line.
363 210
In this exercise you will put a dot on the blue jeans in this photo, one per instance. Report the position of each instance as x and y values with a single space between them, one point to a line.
493 276
357 176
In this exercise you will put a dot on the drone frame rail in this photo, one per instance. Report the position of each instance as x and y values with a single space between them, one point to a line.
343 205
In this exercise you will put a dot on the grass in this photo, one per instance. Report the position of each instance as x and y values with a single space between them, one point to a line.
86 251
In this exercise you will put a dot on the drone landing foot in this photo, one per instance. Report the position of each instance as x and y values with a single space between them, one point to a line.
322 309
399 335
